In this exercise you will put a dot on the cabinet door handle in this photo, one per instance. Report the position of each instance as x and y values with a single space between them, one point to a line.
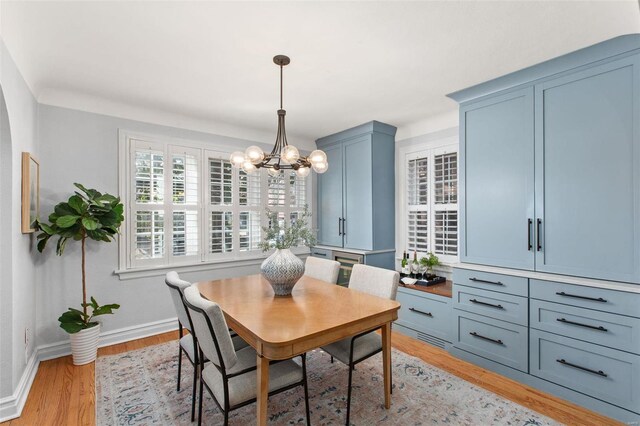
486 304
429 314
344 227
339 226
595 327
595 299
579 367
479 336
477 280
529 245
538 222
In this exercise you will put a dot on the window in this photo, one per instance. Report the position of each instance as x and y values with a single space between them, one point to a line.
187 205
431 206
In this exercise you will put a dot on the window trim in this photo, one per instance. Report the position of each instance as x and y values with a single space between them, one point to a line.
203 261
416 150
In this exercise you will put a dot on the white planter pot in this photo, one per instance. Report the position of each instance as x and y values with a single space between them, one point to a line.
84 345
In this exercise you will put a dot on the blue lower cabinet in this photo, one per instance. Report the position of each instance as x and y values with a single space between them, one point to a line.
496 305
607 374
602 328
496 340
425 313
493 282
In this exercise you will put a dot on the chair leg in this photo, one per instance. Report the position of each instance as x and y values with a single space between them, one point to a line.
179 365
200 397
306 388
349 394
193 391
331 359
226 418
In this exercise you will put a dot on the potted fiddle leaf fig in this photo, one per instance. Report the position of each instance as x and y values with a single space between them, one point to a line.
283 269
86 215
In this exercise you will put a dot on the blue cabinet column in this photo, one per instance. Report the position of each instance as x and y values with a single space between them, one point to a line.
330 199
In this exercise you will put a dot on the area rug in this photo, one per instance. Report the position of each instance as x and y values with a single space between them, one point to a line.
139 388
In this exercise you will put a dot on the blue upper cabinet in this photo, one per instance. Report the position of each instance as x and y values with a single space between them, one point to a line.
550 165
587 172
356 195
496 206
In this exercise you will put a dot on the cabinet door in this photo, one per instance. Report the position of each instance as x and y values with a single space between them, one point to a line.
330 199
497 195
358 201
587 168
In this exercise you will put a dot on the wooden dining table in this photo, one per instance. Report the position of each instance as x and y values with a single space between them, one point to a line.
317 313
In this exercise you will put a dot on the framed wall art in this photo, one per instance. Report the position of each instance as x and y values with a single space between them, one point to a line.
30 192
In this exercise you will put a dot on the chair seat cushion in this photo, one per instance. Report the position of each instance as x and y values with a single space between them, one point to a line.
363 346
242 388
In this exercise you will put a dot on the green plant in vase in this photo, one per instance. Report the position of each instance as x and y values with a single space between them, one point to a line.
88 214
429 261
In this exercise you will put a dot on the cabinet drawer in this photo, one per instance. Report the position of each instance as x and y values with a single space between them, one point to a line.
607 374
498 341
602 328
321 253
501 306
430 315
490 281
617 302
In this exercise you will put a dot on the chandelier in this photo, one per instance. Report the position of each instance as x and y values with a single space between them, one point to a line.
283 156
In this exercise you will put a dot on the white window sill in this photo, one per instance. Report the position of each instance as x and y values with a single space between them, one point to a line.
154 271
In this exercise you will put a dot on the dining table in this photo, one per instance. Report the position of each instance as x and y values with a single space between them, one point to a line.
316 313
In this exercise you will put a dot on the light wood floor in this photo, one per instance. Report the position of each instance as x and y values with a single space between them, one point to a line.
65 395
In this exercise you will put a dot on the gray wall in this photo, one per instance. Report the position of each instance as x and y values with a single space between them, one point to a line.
17 283
82 147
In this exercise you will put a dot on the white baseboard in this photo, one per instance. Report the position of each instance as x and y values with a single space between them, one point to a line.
11 406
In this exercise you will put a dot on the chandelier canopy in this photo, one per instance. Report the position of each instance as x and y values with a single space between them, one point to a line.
283 156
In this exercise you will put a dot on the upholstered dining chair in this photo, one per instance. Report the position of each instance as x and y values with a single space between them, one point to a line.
350 351
322 269
188 344
230 376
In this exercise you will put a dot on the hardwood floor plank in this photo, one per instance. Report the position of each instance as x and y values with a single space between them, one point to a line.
63 394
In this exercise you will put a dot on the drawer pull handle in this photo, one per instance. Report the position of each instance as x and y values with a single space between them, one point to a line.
588 370
429 314
595 299
477 280
486 304
479 336
320 254
594 327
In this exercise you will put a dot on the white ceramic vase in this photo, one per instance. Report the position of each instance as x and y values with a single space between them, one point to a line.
84 345
282 269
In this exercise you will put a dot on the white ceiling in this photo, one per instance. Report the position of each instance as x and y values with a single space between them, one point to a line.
209 64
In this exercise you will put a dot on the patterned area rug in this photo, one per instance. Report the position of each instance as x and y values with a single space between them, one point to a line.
139 388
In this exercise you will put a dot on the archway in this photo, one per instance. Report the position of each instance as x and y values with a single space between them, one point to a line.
6 273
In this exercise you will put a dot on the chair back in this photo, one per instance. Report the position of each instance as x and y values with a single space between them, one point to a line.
376 281
322 269
210 328
176 289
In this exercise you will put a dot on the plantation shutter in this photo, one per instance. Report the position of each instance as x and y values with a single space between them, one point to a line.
185 202
445 181
220 206
418 204
147 203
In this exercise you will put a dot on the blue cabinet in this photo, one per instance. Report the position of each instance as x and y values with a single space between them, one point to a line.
587 172
356 207
496 205
550 166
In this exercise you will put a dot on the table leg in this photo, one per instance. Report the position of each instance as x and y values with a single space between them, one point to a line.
262 394
386 363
